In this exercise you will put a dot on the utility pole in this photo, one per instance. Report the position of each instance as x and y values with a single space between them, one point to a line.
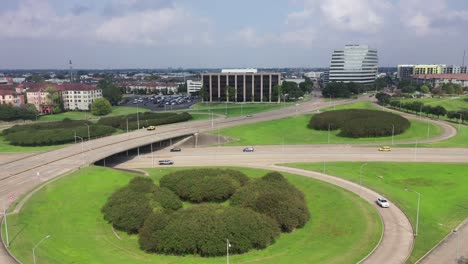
6 224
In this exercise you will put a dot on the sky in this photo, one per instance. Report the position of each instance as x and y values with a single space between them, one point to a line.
110 34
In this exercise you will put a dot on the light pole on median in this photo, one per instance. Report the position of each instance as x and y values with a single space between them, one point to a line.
393 132
417 211
82 149
360 175
89 135
138 118
34 248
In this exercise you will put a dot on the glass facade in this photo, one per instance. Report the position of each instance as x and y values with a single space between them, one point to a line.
356 63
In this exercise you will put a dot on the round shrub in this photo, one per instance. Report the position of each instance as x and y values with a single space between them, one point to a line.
130 206
358 123
202 230
204 185
275 197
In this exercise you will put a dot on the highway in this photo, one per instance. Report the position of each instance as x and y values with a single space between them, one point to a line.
20 176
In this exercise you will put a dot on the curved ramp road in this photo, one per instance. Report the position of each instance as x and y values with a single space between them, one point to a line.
20 176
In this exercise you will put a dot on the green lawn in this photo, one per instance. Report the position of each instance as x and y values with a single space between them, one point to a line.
236 109
116 110
293 130
458 141
443 188
343 228
449 103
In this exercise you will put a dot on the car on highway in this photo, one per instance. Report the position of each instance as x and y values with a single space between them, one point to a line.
382 202
176 149
151 128
248 149
166 162
248 115
385 148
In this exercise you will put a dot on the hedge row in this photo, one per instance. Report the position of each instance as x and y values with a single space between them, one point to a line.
275 197
129 207
203 230
204 185
65 123
55 136
358 123
145 120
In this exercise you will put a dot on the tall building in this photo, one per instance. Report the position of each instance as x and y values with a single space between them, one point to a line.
248 85
354 63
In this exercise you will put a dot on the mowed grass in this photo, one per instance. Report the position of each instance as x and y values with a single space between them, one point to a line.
443 188
294 130
116 110
458 141
449 103
343 228
235 109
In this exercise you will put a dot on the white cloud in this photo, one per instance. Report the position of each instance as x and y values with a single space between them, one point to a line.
248 36
170 24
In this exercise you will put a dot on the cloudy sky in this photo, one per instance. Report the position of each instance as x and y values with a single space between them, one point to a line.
223 33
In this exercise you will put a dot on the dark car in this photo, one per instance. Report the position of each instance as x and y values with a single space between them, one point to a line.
176 149
166 162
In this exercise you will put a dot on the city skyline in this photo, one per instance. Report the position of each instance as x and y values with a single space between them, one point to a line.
114 34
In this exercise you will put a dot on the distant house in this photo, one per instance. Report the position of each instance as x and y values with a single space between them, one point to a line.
74 96
438 79
11 97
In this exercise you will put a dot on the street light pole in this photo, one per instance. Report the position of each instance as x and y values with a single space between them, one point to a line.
82 149
138 118
89 136
34 248
328 133
6 224
360 175
393 132
417 211
228 245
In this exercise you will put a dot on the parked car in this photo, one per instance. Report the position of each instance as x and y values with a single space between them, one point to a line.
151 128
248 115
248 149
176 149
385 148
166 162
382 202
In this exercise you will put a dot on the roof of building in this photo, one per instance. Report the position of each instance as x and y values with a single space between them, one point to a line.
7 87
452 76
150 84
36 87
7 92
239 71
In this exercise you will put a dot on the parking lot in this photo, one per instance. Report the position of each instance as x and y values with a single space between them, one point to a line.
161 102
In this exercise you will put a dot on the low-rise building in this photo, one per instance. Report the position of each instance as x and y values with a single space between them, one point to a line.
11 97
150 87
74 96
439 79
193 86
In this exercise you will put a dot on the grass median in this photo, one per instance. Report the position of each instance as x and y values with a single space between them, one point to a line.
343 228
443 188
294 130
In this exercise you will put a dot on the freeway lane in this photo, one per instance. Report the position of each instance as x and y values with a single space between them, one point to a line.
20 176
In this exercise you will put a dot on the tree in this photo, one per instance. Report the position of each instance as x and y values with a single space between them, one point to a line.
439 111
408 89
110 90
306 86
424 89
337 90
204 93
230 94
53 99
383 98
457 89
276 93
101 107
380 83
182 88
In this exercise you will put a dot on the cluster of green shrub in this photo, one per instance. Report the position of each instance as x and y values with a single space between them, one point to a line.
360 123
9 112
259 210
203 230
144 120
129 207
54 133
418 107
274 196
204 185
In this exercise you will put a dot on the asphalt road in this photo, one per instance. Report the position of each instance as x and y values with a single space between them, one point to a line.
20 176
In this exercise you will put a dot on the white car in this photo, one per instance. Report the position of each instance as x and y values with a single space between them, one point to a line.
382 202
248 149
166 162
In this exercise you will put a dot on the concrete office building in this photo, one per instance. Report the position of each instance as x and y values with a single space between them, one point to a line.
193 86
354 63
249 85
405 71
